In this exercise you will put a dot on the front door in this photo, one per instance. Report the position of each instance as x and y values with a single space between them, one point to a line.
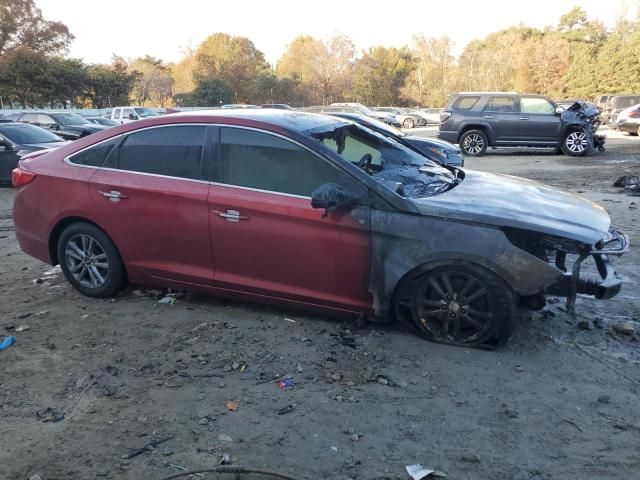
539 121
150 197
266 238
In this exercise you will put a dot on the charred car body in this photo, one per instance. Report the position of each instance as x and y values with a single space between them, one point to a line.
478 120
313 211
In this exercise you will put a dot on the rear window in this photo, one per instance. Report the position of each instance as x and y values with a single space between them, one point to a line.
465 103
96 155
625 101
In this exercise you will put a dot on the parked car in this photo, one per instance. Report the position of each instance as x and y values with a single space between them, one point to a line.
279 106
617 104
431 115
105 122
19 139
332 109
310 211
238 105
432 148
384 116
122 115
478 120
601 102
628 120
403 117
69 126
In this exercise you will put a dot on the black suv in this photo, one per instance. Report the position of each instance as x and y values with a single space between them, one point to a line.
478 120
69 126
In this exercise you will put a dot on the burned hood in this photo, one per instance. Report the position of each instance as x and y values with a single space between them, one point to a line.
503 200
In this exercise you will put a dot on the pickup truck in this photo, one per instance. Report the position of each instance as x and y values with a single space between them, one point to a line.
122 115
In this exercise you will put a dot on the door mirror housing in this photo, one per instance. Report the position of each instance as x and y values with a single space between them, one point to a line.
132 116
559 110
330 197
6 144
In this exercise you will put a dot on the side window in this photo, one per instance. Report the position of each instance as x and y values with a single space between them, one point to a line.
116 114
501 104
46 120
535 105
96 155
29 118
267 162
128 111
174 151
465 102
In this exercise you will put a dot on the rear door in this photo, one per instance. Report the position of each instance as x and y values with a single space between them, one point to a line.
538 121
266 238
150 196
501 112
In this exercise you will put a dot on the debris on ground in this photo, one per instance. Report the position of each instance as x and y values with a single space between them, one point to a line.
225 459
287 381
232 406
625 328
168 300
149 446
626 181
418 472
50 414
585 325
22 328
285 410
7 342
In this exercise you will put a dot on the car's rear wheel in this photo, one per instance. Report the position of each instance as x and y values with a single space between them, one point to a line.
408 123
474 143
459 304
575 143
90 261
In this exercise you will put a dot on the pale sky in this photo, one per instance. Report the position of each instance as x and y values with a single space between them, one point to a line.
162 28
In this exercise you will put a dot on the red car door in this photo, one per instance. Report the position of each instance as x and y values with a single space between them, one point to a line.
151 199
266 238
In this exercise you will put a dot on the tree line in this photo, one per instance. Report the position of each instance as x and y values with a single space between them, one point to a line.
578 57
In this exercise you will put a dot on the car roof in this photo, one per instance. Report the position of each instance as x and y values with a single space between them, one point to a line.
290 119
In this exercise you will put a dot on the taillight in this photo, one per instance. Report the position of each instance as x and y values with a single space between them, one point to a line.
21 177
634 114
444 116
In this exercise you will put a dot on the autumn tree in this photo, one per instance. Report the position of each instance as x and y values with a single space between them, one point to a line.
109 85
23 26
154 81
234 60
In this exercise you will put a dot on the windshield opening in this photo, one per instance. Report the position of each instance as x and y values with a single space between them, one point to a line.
28 134
398 168
70 119
146 112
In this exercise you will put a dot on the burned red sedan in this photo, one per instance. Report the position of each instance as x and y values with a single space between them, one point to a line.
313 211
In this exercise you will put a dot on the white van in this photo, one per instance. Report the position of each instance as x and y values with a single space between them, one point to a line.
122 115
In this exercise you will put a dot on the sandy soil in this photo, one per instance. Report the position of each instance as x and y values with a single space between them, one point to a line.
91 380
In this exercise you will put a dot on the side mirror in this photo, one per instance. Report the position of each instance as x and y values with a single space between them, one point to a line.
330 197
132 116
6 144
559 110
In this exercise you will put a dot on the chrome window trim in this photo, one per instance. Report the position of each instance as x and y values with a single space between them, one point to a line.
68 161
271 192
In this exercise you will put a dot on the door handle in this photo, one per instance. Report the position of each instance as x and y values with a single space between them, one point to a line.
113 195
489 116
231 215
524 118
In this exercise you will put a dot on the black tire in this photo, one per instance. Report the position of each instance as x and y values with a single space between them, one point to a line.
409 123
474 143
435 300
90 261
574 143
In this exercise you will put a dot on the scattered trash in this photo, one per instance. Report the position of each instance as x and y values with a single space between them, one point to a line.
168 300
203 421
7 342
418 472
22 328
336 377
585 325
148 446
285 410
287 381
604 399
35 477
225 459
625 328
50 415
512 413
289 320
627 180
54 271
382 380
233 406
519 368
334 449
223 437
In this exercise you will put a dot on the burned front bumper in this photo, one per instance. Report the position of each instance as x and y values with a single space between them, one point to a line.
615 244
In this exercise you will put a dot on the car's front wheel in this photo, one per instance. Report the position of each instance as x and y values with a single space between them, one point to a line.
474 143
408 123
90 261
459 304
575 143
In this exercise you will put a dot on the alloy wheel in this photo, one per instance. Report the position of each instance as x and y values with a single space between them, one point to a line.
473 144
454 306
576 142
87 261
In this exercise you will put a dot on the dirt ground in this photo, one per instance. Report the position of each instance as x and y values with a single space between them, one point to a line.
92 379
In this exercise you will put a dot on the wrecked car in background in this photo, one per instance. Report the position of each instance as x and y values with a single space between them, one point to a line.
478 120
310 211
